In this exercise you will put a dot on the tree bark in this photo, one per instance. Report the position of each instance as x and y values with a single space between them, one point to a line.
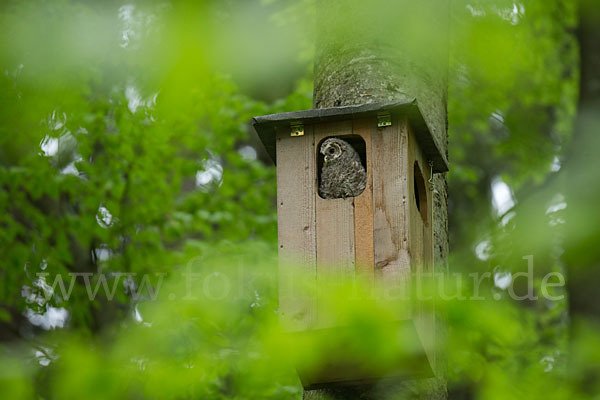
376 51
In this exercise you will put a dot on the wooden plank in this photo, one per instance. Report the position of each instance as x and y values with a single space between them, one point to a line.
421 247
363 211
296 191
390 191
335 236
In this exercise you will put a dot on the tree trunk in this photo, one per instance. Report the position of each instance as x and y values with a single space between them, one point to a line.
379 51
582 166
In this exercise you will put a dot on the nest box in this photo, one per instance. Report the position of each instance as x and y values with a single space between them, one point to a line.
383 235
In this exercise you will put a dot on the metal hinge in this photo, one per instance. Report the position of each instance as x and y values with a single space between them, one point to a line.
384 119
296 129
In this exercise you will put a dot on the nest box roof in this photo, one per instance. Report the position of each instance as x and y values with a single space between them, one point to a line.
266 124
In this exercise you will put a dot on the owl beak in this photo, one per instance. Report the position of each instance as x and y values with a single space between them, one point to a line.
325 160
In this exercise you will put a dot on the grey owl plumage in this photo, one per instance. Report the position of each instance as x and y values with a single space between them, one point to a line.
342 174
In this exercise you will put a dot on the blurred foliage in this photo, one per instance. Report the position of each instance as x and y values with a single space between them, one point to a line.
120 145
126 156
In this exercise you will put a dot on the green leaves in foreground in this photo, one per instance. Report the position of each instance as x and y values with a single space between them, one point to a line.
214 332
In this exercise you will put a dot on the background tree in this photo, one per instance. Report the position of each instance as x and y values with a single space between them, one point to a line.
582 256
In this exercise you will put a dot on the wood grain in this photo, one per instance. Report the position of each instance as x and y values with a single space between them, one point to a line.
296 229
335 236
390 212
363 211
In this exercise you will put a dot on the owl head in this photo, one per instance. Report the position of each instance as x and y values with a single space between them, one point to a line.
333 148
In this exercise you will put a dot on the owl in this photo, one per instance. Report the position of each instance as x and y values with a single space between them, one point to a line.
342 174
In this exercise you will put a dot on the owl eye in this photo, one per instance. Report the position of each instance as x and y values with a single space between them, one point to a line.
331 151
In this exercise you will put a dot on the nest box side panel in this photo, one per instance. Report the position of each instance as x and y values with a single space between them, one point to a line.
390 212
296 222
363 210
421 245
335 234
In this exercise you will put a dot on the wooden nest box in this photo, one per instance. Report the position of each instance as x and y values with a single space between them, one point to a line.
383 236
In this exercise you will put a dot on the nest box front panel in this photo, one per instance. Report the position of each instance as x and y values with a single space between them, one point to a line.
329 240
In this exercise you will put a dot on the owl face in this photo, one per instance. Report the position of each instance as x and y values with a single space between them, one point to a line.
332 149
